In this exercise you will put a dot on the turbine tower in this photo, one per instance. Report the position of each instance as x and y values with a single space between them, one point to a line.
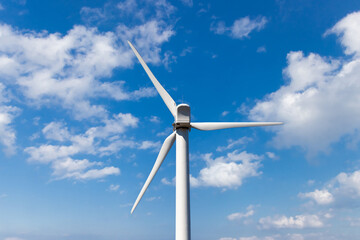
182 126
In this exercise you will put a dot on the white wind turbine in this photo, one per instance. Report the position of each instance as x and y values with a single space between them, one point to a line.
182 126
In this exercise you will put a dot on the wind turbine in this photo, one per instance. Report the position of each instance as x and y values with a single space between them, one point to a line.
182 127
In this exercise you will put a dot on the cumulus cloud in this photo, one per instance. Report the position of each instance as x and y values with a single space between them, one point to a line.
349 32
227 171
68 69
241 28
299 222
321 197
319 101
343 191
105 139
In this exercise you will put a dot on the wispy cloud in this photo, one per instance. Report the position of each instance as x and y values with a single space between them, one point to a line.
101 140
3 195
241 28
297 222
113 187
261 49
239 215
233 143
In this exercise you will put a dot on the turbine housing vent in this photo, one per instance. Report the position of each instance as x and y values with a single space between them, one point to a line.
182 115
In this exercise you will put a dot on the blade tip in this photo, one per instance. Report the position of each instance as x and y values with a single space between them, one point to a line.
130 44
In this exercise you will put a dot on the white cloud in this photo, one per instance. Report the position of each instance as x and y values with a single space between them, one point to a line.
224 113
98 173
127 6
3 195
186 51
166 182
321 197
227 171
292 236
271 155
150 199
240 215
296 236
317 85
149 9
298 222
167 131
56 131
50 68
113 187
1 7
101 140
150 144
130 11
7 115
343 191
154 119
349 183
261 49
188 3
241 28
13 238
147 38
232 143
93 15
249 238
349 31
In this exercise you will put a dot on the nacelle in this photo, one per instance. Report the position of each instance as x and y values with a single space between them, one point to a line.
182 116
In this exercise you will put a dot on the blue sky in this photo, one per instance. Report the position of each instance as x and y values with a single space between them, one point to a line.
81 124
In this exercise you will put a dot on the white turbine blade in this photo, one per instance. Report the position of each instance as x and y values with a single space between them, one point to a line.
222 125
165 148
170 103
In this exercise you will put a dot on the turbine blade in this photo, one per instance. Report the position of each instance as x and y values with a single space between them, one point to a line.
222 125
170 103
165 148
